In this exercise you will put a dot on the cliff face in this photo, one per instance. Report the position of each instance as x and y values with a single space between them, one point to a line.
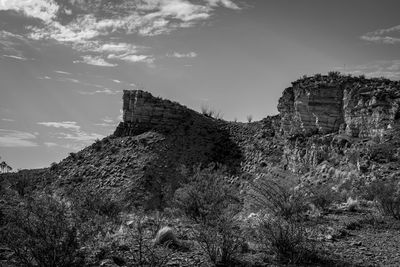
328 104
142 112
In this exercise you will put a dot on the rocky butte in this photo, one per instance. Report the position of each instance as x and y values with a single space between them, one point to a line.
355 106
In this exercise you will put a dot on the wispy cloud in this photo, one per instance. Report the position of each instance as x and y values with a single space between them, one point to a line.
16 57
44 10
13 138
8 120
183 55
62 72
90 26
384 36
106 91
224 3
73 133
383 68
96 61
107 122
80 136
44 77
133 58
62 124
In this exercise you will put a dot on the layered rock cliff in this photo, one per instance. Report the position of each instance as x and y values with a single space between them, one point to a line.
142 112
332 103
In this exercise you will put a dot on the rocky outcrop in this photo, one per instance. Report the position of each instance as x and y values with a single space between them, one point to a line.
142 112
332 103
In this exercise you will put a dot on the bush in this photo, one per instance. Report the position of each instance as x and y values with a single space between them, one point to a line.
97 145
221 242
87 203
387 196
323 196
275 193
286 239
143 250
208 200
207 195
41 232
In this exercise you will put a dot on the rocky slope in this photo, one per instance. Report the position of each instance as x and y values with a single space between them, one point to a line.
145 159
331 128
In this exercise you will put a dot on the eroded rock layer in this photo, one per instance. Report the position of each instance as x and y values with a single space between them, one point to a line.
332 103
142 112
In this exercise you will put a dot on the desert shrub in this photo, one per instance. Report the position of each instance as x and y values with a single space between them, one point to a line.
142 248
275 193
322 196
334 74
41 232
286 239
387 196
97 145
23 184
87 203
212 203
221 240
206 195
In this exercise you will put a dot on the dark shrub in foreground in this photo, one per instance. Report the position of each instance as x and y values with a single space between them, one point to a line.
40 232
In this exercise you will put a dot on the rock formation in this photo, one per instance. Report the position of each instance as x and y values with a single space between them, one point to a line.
326 104
142 112
330 126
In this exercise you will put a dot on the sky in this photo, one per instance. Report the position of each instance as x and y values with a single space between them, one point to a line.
64 63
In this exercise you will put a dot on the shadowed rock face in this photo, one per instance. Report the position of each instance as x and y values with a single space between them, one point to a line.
328 104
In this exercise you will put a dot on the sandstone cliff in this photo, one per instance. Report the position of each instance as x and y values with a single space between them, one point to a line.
356 106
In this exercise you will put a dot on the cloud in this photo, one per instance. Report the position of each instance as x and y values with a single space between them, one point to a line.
133 58
108 120
224 3
16 57
91 25
9 120
50 144
13 138
389 69
116 81
63 124
44 10
62 72
96 61
384 36
106 91
80 136
43 78
74 133
180 55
